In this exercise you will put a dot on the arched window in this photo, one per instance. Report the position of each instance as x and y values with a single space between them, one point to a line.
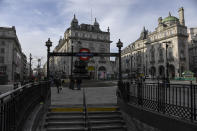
152 54
170 53
160 54
182 54
138 57
76 34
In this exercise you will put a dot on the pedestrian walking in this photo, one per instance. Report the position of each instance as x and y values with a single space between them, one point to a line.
57 82
78 83
72 84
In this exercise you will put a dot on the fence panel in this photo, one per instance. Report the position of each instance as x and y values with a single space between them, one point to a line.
16 105
177 100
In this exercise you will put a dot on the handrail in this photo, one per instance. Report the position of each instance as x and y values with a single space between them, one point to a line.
19 88
12 91
87 123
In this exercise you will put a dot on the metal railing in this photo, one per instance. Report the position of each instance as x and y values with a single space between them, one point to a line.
177 100
16 105
87 123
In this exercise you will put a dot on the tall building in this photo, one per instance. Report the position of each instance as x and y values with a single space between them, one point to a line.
83 36
192 40
12 60
147 55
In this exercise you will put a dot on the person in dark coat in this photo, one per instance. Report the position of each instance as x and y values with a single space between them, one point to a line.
78 83
57 82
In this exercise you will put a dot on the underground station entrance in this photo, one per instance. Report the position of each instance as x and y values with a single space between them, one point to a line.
83 104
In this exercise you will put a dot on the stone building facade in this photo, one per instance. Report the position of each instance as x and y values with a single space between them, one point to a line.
83 36
192 40
147 55
12 59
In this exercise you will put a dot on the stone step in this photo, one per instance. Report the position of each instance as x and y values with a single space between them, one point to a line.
81 109
106 122
64 124
64 119
66 129
104 113
80 114
105 117
109 128
66 109
101 118
65 114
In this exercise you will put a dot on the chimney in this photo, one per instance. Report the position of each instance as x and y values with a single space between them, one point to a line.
181 16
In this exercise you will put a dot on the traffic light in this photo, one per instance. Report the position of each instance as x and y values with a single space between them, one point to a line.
80 67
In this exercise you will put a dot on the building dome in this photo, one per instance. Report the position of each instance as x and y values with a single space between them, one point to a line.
74 20
170 19
96 23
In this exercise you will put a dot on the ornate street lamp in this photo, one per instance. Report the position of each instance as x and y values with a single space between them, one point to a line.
71 72
30 70
148 41
119 45
167 74
48 45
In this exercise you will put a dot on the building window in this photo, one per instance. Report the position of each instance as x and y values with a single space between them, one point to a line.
161 54
152 55
170 52
182 54
91 47
76 34
90 36
2 68
1 59
164 34
102 49
3 43
2 51
98 37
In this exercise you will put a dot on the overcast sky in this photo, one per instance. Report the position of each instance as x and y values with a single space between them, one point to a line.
37 20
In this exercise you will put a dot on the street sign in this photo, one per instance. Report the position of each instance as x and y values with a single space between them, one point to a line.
91 68
95 54
85 54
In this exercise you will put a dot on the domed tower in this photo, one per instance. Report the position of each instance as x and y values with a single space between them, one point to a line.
170 20
96 25
74 22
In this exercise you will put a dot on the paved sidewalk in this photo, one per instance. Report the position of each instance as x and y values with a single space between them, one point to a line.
94 95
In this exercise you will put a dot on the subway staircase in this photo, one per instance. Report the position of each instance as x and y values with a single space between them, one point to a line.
95 118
